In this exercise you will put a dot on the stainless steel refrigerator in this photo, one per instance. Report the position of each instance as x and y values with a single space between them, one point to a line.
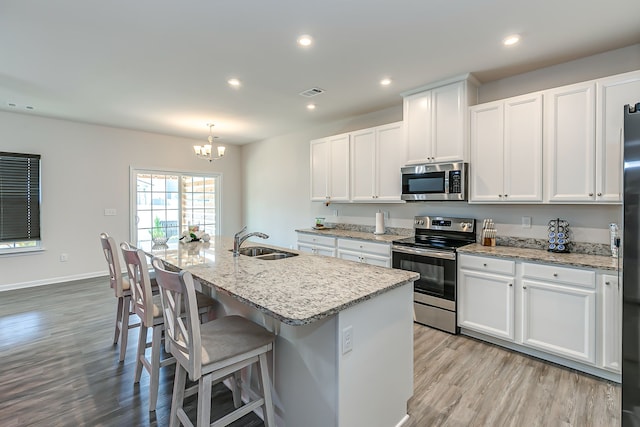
631 270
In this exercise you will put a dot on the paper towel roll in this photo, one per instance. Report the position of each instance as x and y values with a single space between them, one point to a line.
379 223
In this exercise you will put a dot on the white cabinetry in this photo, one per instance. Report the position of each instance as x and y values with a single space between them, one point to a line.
559 311
435 118
611 309
570 142
506 150
486 295
366 252
318 245
330 169
377 154
612 94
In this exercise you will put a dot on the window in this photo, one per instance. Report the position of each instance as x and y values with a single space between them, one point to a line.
168 203
19 201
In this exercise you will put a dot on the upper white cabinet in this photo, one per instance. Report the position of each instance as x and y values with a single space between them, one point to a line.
506 150
570 143
377 154
612 94
330 168
436 121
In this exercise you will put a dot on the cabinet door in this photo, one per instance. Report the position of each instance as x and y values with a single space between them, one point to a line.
448 105
486 167
612 95
324 250
611 323
339 167
390 157
349 255
523 149
380 261
319 150
559 319
486 303
570 135
304 247
417 117
363 152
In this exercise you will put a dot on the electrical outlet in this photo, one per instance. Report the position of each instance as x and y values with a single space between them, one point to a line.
347 339
526 222
385 214
109 212
335 212
64 257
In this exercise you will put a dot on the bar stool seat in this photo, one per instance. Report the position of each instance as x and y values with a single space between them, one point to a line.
211 352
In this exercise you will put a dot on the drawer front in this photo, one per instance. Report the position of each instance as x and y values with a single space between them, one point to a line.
316 240
488 264
557 274
383 249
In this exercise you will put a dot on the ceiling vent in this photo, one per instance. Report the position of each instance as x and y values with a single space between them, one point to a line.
312 92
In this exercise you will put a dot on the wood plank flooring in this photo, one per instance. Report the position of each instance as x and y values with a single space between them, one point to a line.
58 367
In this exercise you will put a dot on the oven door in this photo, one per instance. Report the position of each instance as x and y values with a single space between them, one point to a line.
437 283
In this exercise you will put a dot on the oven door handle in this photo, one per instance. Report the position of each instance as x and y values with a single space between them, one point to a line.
425 252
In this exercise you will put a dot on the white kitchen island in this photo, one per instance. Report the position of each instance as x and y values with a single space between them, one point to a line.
319 306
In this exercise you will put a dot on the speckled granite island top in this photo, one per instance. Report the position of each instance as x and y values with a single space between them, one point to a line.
352 234
571 259
297 290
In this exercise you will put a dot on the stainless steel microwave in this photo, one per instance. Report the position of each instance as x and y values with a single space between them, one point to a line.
435 182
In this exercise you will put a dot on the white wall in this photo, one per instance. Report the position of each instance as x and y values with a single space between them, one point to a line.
276 175
85 169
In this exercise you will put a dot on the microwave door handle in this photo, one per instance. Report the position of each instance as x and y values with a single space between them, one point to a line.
425 252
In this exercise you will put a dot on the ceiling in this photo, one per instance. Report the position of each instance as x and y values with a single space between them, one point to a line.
162 66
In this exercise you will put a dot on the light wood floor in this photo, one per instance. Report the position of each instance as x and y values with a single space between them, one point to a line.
58 367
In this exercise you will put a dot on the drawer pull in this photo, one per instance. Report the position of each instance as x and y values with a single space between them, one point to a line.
607 283
510 284
485 264
524 287
555 274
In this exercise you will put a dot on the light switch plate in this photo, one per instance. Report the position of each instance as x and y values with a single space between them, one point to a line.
347 339
109 212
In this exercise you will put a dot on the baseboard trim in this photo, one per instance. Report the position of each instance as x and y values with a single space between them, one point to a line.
51 281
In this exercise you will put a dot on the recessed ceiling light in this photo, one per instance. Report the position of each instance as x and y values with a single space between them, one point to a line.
311 106
234 82
511 40
305 40
385 82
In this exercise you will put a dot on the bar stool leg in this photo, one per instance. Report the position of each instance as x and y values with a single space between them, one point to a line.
266 391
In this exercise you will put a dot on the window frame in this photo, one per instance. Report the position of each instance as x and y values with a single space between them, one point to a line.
133 192
36 243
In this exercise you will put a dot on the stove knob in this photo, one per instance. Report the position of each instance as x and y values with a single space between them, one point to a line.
422 222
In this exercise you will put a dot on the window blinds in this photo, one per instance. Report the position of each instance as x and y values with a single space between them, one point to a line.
19 197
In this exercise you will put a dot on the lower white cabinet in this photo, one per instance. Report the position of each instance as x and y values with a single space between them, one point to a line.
611 309
366 252
565 314
559 319
317 245
350 249
485 296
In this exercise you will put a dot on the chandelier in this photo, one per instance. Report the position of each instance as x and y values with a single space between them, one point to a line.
204 151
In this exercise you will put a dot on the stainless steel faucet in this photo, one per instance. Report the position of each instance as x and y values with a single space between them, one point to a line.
238 239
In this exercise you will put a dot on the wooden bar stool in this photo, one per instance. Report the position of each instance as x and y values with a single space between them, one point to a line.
211 352
122 291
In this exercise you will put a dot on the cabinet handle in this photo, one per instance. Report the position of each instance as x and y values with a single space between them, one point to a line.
484 265
506 195
524 287
510 284
599 194
607 283
590 194
555 274
499 195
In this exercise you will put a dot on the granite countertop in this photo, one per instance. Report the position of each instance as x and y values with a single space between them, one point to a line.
297 290
353 234
571 259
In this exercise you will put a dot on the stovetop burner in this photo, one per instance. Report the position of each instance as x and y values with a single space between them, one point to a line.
441 233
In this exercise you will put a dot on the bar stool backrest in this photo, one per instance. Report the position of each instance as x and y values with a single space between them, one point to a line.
138 271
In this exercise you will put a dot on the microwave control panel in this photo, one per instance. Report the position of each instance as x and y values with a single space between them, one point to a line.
455 181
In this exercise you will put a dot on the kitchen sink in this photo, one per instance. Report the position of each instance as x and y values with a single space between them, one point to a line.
268 254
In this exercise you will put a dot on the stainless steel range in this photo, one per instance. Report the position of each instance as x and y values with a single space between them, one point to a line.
432 253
